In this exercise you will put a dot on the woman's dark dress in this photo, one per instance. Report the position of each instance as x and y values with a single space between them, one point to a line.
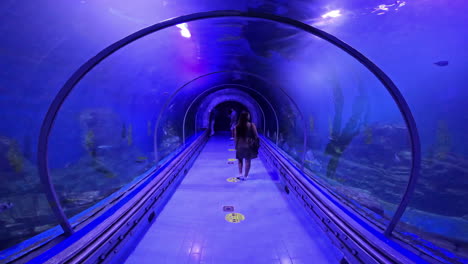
243 150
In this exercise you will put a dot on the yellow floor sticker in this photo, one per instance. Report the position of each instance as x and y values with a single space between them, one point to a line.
235 217
231 161
233 179
232 149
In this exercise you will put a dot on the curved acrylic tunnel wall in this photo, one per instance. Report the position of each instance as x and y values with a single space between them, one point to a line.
357 142
332 131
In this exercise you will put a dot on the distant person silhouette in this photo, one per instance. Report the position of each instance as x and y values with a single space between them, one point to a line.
245 134
233 117
213 116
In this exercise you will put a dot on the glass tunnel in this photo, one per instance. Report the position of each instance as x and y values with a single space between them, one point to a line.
117 141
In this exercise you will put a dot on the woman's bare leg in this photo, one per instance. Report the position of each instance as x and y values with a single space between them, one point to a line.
239 163
247 167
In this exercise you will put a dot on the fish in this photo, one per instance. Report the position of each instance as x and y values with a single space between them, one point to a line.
141 159
104 147
5 206
109 175
441 63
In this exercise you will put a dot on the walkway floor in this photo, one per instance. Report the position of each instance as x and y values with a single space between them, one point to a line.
192 227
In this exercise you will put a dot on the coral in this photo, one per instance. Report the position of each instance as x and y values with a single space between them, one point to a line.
15 158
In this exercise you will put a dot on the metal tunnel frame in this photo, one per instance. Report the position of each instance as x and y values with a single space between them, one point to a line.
231 85
174 94
43 165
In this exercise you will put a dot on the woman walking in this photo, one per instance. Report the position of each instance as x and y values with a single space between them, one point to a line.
245 136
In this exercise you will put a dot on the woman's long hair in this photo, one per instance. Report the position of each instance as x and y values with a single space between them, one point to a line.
241 128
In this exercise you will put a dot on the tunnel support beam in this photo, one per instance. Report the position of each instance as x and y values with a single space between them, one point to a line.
44 174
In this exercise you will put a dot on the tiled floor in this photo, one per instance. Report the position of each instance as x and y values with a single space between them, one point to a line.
192 227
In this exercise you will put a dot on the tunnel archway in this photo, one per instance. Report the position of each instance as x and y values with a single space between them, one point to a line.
221 115
213 100
237 73
242 87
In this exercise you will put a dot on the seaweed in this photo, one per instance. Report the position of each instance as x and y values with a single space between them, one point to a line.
149 128
443 141
15 158
130 135
90 143
103 170
368 135
27 147
124 130
341 138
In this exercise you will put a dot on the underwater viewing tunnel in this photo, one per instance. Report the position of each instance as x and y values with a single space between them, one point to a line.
117 141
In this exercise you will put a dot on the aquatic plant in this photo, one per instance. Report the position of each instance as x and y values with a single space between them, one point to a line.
341 138
124 130
130 135
90 143
27 147
101 168
443 141
311 123
149 128
15 158
368 135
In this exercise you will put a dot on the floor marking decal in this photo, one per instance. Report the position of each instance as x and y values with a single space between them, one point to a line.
233 179
235 217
